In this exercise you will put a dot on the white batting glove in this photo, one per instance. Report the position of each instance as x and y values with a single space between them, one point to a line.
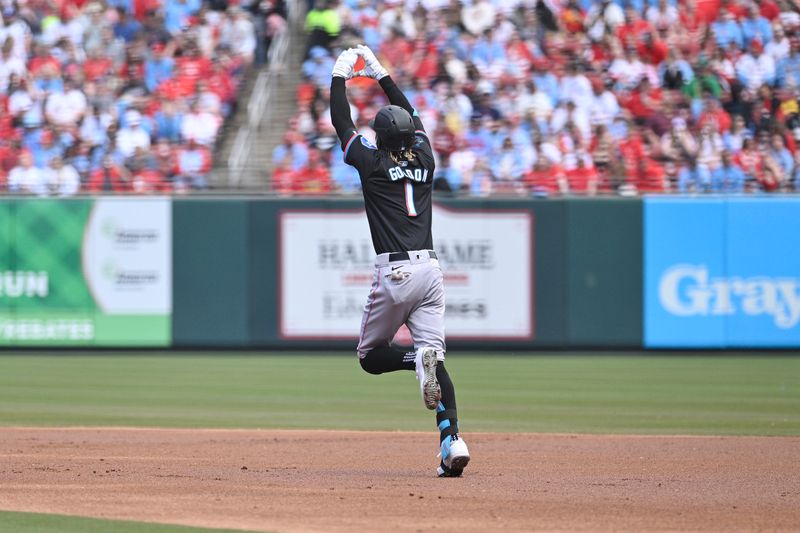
343 68
373 68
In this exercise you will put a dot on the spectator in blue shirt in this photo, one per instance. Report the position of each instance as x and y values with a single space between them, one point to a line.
781 155
343 175
127 5
726 30
546 81
126 28
158 68
694 178
168 122
318 66
487 51
177 13
789 68
45 149
291 146
477 136
448 179
728 177
796 175
754 26
507 164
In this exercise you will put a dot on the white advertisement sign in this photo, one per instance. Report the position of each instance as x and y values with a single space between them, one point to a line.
327 264
127 255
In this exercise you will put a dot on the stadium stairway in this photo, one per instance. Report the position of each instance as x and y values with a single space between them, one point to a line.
283 104
264 130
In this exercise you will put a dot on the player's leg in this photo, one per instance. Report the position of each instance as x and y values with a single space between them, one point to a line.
453 449
426 323
381 319
384 358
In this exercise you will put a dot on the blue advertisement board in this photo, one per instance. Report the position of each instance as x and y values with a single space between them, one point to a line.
721 272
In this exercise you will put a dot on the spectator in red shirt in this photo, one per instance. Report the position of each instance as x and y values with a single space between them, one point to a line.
707 10
444 142
313 178
110 177
221 83
583 177
737 8
646 105
425 60
41 60
572 17
649 175
750 160
149 181
769 9
631 147
191 66
714 115
632 32
396 50
283 175
97 64
165 159
652 50
545 178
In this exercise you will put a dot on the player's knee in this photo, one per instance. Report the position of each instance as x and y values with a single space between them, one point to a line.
370 364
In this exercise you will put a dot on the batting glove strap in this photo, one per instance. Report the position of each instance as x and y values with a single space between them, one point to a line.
343 68
372 66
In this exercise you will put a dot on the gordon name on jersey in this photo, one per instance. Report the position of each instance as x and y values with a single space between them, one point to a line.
419 175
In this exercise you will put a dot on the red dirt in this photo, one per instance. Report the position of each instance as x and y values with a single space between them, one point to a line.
356 481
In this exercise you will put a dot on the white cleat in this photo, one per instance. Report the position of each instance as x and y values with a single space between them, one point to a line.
455 457
426 374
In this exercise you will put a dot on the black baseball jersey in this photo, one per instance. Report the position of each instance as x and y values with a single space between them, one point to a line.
397 196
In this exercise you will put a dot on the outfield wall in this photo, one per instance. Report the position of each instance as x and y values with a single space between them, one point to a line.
274 273
519 273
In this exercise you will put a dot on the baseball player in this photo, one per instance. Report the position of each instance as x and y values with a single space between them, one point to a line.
396 179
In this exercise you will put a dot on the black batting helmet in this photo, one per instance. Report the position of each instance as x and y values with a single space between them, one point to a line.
394 128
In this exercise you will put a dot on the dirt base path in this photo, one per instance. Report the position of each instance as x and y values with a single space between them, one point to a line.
356 481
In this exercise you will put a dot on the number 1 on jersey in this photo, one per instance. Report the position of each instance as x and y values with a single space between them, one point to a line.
412 209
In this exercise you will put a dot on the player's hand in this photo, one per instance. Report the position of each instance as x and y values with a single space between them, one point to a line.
372 67
343 68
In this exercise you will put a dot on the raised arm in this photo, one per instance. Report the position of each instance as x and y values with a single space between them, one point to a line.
395 95
375 70
340 111
340 107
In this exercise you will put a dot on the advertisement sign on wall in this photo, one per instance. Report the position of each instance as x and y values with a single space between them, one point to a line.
327 262
84 272
722 272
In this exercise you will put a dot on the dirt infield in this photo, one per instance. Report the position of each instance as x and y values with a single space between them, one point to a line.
369 481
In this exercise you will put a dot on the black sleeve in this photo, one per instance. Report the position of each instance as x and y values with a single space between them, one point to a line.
340 111
361 154
358 152
396 97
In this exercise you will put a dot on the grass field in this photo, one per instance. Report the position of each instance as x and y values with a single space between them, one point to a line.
49 523
745 394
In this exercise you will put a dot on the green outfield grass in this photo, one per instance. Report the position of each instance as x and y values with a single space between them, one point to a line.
745 394
50 523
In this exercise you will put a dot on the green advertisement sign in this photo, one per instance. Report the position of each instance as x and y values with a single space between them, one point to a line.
86 272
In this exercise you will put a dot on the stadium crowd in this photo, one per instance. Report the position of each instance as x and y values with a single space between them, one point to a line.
121 95
566 96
